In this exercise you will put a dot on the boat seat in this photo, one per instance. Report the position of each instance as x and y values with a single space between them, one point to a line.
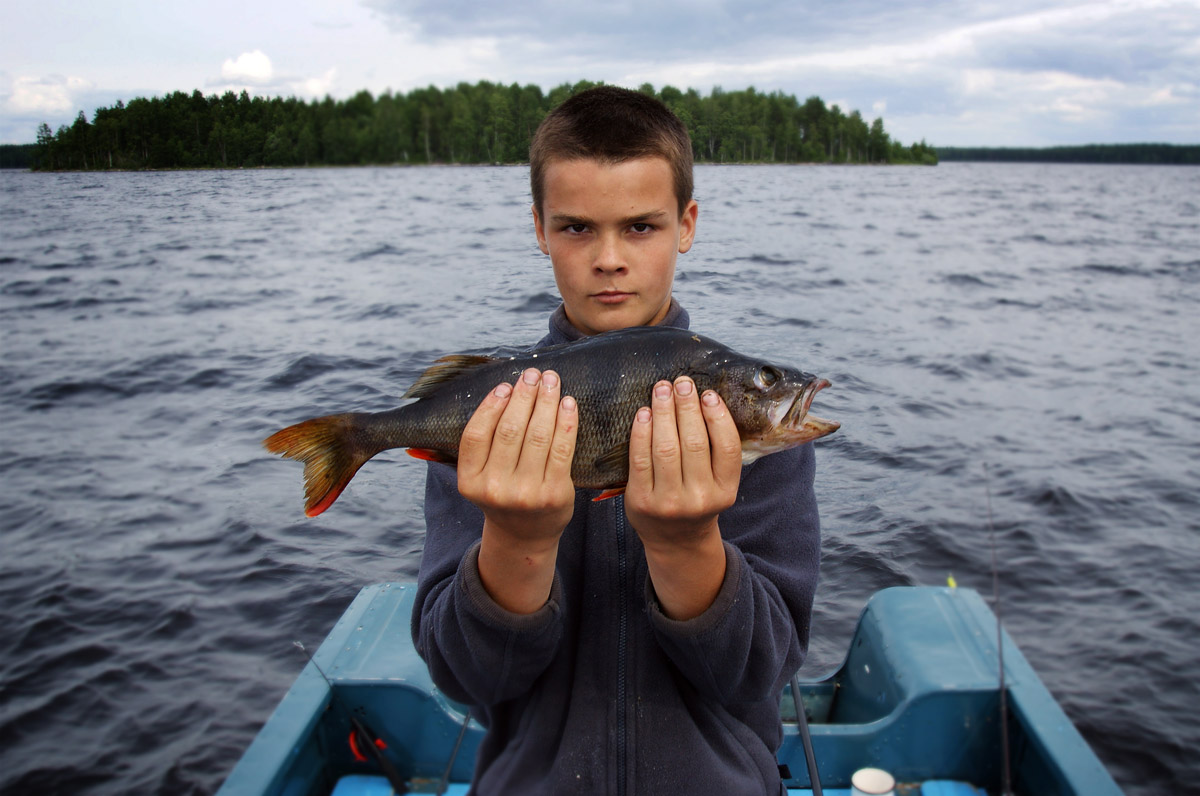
373 785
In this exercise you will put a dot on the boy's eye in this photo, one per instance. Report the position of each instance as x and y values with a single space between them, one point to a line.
577 228
641 228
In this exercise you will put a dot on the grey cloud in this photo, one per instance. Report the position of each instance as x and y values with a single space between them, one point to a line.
687 28
1129 48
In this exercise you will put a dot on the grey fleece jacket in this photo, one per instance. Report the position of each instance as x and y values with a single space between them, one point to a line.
599 692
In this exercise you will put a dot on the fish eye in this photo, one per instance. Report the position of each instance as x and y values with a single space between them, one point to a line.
766 377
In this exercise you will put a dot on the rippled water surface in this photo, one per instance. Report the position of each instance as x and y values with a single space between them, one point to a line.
155 564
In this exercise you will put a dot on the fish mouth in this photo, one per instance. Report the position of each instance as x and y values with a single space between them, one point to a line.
802 426
794 417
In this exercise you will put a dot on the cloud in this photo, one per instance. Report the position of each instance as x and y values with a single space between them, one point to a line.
253 72
315 86
677 28
26 101
1116 39
52 96
252 67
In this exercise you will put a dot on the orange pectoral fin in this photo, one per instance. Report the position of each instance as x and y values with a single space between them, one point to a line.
432 455
609 493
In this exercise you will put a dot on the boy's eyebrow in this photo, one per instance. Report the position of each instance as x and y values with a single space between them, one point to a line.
641 218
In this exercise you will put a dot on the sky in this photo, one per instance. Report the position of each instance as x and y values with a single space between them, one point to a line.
954 73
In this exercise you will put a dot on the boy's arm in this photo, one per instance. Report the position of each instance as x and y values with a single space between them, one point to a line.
487 618
515 465
752 633
684 465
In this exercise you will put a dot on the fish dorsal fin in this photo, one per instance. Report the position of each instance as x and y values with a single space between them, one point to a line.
443 370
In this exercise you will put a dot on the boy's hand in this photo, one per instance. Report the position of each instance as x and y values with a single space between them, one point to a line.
685 462
514 463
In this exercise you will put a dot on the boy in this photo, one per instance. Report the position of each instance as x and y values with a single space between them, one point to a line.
636 645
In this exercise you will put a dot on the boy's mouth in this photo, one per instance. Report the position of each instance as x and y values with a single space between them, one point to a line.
611 296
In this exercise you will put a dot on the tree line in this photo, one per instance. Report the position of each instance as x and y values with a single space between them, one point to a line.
481 123
17 156
1145 154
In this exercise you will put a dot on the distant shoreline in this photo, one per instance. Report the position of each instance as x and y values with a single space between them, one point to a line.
19 156
516 164
944 160
1134 154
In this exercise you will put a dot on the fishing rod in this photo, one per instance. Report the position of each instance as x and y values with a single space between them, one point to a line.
360 734
462 733
1005 771
806 738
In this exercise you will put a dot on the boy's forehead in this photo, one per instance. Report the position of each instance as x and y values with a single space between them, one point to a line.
594 162
647 175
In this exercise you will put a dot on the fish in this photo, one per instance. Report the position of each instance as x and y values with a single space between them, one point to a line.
610 375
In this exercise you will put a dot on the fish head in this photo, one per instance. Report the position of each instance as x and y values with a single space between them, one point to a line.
769 404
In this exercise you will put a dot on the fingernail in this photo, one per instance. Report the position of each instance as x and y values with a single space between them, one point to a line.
710 398
503 390
568 404
662 390
684 386
550 379
643 415
530 376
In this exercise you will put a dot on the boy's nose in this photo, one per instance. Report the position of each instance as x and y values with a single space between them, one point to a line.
610 258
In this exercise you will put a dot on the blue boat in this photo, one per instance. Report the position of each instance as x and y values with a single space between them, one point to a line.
917 696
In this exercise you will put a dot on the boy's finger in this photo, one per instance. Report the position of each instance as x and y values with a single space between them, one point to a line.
723 439
696 460
562 450
510 428
539 433
665 443
476 441
641 460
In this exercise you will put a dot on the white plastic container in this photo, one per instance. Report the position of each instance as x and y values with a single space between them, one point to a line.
872 782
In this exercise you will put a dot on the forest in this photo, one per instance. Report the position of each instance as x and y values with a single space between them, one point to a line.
17 156
481 123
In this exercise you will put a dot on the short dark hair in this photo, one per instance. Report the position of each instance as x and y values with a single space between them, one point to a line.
611 125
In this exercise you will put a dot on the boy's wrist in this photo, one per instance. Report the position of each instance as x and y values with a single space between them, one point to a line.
687 574
517 572
510 533
683 543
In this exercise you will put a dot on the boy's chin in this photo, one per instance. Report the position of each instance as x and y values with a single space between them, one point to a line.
598 319
600 322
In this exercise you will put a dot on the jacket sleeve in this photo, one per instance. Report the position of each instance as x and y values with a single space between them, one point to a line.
755 634
477 652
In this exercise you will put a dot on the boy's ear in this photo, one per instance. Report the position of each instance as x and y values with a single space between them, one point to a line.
687 226
537 230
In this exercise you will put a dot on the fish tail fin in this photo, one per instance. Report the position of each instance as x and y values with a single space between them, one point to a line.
328 447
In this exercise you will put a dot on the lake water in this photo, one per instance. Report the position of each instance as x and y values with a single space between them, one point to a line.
155 564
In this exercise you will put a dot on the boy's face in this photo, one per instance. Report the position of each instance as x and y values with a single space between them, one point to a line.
612 233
